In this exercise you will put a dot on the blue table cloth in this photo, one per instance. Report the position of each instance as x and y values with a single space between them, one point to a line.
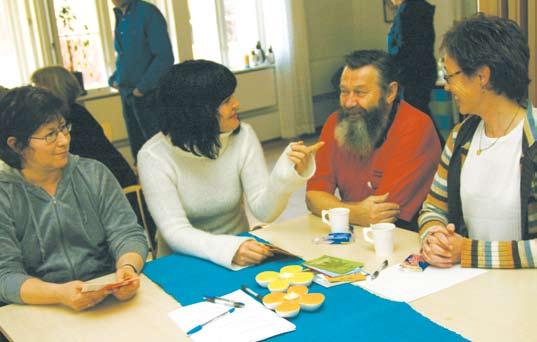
348 313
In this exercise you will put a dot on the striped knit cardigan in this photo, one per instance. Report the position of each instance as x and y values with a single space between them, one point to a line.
443 203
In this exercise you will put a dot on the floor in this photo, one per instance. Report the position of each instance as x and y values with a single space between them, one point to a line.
296 206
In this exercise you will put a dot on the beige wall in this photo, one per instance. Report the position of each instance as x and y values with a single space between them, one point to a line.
330 25
336 27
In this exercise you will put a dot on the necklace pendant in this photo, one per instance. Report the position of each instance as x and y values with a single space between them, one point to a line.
478 152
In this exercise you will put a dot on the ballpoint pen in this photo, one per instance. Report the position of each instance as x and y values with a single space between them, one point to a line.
375 274
200 326
225 301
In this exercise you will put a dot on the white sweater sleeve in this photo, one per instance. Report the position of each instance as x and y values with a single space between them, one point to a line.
267 196
159 183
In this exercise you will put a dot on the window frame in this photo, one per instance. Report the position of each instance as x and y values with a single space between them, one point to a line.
105 34
45 41
222 33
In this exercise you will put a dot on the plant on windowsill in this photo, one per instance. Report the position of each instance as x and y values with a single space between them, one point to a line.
76 48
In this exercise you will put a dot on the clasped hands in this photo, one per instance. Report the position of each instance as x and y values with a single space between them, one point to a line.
73 297
442 246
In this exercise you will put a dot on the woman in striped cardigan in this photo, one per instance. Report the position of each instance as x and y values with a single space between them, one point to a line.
482 207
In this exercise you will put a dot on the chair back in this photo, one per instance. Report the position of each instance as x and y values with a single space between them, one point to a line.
136 198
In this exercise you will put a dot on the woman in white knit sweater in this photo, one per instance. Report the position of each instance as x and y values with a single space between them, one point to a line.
195 172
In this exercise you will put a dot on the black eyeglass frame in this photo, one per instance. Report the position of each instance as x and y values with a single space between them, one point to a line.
51 138
447 76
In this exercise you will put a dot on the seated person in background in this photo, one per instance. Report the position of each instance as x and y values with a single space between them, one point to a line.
197 170
87 136
380 153
63 219
3 91
482 207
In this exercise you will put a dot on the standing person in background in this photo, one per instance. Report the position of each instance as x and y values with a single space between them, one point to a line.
411 43
144 52
87 136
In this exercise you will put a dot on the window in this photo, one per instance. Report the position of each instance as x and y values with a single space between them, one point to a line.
226 30
79 35
19 50
205 38
80 41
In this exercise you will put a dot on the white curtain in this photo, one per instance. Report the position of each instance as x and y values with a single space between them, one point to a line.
286 31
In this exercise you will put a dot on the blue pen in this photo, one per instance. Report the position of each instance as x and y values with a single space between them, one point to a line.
198 327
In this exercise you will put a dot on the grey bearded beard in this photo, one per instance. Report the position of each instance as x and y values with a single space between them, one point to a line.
359 130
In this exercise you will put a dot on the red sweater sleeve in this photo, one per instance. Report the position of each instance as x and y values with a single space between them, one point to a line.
324 177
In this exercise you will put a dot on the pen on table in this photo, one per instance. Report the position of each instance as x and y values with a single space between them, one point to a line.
252 293
225 301
375 274
200 326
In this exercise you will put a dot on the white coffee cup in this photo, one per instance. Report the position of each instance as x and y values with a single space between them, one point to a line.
338 219
382 238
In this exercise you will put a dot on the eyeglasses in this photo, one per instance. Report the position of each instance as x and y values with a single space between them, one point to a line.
50 138
447 77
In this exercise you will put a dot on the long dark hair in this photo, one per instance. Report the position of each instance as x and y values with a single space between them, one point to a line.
189 95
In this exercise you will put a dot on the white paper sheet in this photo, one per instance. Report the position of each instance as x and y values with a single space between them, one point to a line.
405 286
253 322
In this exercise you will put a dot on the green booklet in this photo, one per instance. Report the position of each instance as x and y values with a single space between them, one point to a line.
333 266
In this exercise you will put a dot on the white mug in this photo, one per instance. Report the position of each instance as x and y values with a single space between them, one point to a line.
382 238
338 219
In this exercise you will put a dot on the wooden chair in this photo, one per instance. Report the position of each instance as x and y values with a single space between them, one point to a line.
136 198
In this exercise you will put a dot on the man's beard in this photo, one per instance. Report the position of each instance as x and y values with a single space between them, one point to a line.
359 130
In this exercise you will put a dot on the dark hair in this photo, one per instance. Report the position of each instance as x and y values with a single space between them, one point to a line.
384 63
23 111
497 43
189 95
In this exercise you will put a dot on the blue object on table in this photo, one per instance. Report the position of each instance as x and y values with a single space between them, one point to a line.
348 313
200 326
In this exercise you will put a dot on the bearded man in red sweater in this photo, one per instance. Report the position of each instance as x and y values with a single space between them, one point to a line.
380 153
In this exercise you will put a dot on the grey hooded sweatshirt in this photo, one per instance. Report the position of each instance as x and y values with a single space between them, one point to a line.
78 234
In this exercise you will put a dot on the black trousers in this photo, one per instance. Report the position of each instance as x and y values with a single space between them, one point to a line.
141 118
